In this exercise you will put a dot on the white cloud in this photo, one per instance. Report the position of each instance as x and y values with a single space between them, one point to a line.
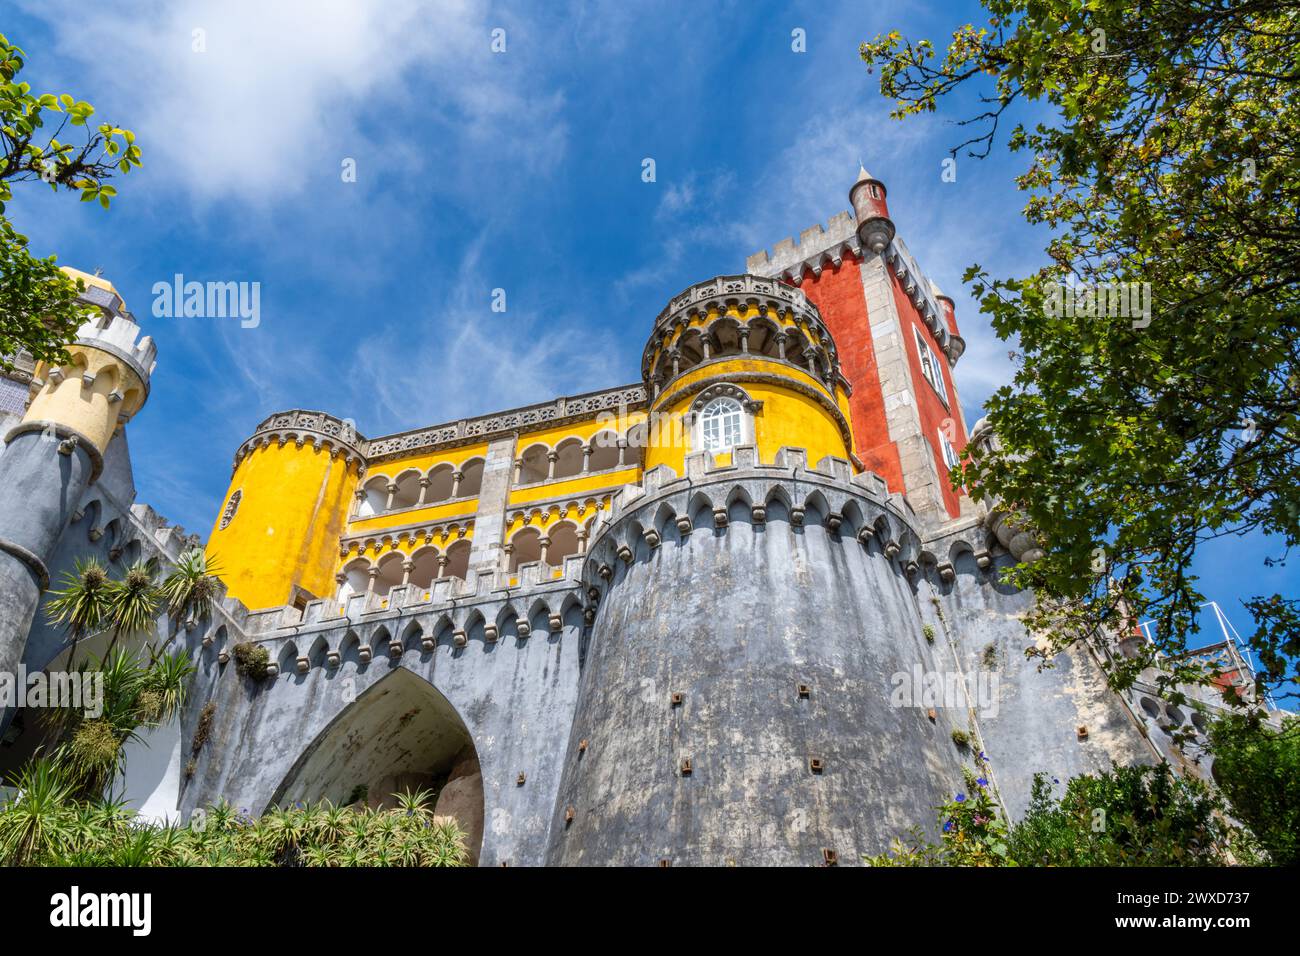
284 90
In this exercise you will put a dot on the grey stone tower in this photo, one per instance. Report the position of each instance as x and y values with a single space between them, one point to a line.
57 451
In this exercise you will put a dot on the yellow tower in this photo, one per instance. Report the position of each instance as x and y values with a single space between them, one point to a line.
107 381
276 538
743 360
57 451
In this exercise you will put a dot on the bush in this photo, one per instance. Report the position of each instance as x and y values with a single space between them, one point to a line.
1128 816
1258 771
252 660
45 826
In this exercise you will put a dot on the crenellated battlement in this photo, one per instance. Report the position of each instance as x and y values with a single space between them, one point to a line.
816 248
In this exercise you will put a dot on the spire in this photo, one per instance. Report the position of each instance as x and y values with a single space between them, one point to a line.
863 175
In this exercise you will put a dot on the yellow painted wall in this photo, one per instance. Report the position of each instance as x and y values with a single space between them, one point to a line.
577 486
787 418
460 508
286 530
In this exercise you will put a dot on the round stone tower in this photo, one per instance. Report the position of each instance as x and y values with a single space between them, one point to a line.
750 689
57 450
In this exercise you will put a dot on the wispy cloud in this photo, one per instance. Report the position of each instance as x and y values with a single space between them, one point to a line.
252 100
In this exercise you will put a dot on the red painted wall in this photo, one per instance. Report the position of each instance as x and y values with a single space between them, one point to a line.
839 297
933 413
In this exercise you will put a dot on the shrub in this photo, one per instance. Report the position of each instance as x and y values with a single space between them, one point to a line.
252 660
961 738
1127 816
1258 771
44 825
928 631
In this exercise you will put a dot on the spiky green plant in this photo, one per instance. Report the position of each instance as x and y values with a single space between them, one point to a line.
167 676
82 604
191 588
39 821
133 601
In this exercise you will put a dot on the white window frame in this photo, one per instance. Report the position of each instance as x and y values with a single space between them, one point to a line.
743 430
931 367
948 453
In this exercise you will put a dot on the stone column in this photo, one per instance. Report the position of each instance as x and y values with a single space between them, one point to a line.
456 476
551 458
489 523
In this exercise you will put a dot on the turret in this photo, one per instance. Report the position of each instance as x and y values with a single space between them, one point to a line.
867 196
743 360
276 537
57 451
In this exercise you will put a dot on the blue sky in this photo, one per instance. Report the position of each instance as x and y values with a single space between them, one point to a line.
476 171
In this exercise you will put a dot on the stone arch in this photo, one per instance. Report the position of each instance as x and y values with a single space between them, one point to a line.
471 481
525 547
412 636
724 337
287 659
701 510
568 458
763 336
390 573
374 497
424 567
665 522
441 480
457 560
355 578
689 349
415 739
319 650
407 492
533 464
90 515
564 542
604 451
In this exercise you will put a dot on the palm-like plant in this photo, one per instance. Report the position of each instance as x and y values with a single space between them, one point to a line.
82 604
133 601
191 588
38 823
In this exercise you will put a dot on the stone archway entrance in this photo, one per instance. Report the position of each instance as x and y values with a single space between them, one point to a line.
400 734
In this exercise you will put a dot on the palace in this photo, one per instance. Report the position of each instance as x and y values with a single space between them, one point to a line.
660 623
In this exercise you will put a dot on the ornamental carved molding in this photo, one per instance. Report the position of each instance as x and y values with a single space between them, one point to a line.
558 412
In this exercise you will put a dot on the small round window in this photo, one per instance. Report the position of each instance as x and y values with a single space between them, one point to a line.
721 425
